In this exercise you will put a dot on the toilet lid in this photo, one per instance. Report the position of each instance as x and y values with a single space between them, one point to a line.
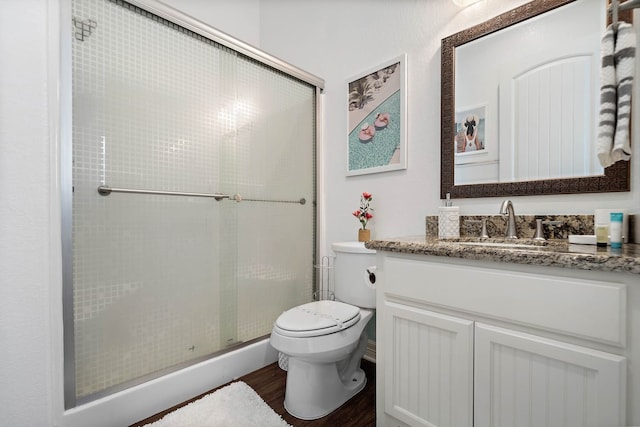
317 318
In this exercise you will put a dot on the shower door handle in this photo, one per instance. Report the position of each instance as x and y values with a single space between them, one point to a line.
219 196
104 190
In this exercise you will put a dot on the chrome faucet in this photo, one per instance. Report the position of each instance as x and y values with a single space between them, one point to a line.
507 209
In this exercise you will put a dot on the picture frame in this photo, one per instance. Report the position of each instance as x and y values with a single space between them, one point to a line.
470 132
377 118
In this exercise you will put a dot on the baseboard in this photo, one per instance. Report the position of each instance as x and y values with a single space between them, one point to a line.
370 352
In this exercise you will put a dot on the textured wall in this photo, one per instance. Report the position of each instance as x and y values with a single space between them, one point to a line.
24 215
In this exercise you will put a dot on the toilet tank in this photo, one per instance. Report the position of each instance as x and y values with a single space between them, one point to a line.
351 278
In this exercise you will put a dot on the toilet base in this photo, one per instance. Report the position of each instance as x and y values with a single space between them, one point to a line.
324 371
315 390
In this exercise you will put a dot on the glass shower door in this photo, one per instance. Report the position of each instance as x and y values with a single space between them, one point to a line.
163 275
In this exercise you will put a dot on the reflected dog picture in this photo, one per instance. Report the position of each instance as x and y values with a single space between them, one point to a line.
470 131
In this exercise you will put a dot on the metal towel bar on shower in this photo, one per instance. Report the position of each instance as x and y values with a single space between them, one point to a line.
104 190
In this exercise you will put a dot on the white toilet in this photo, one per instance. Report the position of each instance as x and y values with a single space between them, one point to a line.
325 340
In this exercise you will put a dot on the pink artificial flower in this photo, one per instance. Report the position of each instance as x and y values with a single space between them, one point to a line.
363 214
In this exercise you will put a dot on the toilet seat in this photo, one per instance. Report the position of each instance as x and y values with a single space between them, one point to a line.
317 318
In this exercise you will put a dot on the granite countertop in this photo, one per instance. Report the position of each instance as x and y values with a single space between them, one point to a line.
557 253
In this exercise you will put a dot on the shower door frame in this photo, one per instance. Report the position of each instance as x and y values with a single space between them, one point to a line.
66 161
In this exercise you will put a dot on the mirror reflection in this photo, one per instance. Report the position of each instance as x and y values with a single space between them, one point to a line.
520 104
526 98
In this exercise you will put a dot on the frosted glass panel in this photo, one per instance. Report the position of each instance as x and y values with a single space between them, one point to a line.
160 281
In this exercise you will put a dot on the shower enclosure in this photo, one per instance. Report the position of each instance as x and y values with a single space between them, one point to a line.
190 209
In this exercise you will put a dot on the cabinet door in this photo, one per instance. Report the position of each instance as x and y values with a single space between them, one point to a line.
428 367
525 380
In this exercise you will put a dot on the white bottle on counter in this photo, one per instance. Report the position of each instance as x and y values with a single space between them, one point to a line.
448 220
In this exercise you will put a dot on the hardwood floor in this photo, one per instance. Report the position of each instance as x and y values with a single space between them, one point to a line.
269 382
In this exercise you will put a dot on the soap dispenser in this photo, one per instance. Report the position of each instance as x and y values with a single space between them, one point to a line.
448 220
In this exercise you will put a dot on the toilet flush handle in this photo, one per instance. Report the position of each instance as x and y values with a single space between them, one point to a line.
371 276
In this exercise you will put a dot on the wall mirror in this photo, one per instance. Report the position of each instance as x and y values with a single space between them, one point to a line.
520 101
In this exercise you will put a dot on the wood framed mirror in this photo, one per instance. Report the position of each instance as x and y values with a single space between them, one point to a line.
615 178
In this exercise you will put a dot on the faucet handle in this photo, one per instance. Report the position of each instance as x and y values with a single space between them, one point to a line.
539 232
483 232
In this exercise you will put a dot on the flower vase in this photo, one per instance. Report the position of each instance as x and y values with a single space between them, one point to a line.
364 235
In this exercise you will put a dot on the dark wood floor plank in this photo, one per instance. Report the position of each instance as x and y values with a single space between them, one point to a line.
270 381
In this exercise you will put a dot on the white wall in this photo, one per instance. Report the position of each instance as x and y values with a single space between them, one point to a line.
30 283
238 18
333 39
358 34
25 333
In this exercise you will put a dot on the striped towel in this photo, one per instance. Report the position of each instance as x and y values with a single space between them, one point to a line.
616 83
608 99
624 59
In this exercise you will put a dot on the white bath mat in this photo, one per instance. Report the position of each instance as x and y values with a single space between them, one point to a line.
236 405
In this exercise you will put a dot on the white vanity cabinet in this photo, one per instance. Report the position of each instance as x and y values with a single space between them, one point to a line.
471 343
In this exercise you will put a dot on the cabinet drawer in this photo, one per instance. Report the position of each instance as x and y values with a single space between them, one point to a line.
593 310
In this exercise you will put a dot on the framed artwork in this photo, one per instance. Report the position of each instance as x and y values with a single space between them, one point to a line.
469 132
377 118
